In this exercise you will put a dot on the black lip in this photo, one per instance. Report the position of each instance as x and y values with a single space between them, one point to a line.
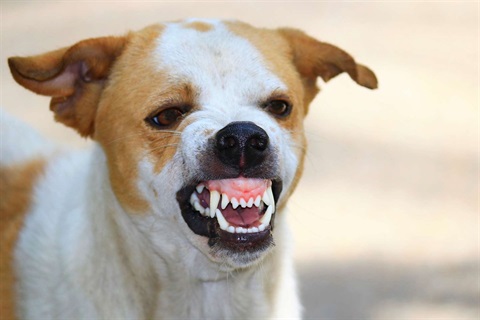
208 227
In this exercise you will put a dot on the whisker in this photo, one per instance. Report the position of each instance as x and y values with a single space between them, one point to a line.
171 132
160 147
163 138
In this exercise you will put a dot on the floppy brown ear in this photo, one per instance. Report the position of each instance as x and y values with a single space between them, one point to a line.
74 77
313 59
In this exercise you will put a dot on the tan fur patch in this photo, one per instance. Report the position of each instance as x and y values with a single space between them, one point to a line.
75 93
199 26
16 186
121 129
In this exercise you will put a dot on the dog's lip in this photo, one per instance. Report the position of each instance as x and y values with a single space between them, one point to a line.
210 228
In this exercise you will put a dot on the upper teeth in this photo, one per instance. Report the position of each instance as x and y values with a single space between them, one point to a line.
214 211
214 200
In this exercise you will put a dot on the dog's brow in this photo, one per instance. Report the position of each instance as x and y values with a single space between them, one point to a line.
227 69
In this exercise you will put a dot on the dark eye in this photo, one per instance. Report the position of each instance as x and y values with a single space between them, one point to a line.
279 108
166 117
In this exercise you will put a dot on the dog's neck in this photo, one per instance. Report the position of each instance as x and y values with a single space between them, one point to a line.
174 278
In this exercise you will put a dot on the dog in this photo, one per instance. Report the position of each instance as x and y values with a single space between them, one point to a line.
175 212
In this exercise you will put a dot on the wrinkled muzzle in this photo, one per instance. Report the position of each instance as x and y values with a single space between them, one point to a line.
233 203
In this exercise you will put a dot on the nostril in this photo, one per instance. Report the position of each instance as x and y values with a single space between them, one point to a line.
226 142
258 142
230 142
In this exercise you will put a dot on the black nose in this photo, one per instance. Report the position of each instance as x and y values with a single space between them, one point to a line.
241 145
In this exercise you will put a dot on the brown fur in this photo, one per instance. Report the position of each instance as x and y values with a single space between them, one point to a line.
121 138
16 186
199 26
74 77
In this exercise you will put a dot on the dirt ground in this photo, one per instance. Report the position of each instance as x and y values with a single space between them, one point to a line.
386 219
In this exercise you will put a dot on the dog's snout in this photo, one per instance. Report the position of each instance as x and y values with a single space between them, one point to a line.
242 144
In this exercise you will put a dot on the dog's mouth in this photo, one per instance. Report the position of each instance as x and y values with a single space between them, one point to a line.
235 214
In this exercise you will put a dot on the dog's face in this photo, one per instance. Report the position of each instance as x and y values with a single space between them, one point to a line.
200 121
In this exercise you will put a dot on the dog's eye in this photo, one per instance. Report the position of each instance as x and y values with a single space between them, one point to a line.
279 108
166 117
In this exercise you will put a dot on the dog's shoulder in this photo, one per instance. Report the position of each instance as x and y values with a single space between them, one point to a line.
23 159
16 188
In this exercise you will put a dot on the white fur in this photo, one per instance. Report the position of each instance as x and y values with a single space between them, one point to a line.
81 255
20 142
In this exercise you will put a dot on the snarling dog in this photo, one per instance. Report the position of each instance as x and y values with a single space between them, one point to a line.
176 209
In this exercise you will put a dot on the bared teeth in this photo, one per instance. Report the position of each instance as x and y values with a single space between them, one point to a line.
243 203
214 211
225 201
221 220
272 199
266 197
200 188
214 200
234 203
257 201
193 199
267 216
199 207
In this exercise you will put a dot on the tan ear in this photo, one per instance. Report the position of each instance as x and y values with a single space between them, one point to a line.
313 59
74 77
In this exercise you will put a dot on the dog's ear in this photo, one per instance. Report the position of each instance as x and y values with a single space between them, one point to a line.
313 59
74 77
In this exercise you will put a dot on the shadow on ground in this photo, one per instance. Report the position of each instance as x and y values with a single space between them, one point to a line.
376 290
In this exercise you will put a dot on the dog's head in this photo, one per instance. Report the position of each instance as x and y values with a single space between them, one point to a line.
200 121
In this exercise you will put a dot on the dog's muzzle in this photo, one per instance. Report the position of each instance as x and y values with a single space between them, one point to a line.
233 203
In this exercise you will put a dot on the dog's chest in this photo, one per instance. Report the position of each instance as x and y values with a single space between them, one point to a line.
231 298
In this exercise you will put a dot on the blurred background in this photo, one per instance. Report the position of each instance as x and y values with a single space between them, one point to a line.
386 219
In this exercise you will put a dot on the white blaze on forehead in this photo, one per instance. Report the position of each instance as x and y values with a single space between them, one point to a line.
223 67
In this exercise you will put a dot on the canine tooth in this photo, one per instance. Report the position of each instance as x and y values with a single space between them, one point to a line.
270 194
199 188
266 198
261 227
234 202
214 200
231 229
207 212
257 201
225 201
221 220
243 203
267 216
250 202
